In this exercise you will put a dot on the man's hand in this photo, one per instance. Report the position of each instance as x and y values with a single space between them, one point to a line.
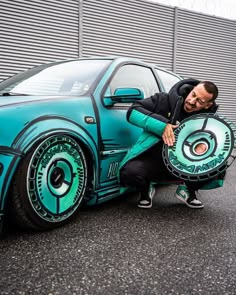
168 134
200 149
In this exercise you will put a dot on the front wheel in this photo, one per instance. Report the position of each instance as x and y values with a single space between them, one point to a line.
50 183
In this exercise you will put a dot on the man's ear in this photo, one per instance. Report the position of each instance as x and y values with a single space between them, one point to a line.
209 105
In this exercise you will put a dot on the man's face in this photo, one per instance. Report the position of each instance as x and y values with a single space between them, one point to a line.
198 99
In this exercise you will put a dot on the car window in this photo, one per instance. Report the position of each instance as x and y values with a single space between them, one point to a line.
133 76
168 79
70 78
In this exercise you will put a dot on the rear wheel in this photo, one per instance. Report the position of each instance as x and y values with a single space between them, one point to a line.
50 183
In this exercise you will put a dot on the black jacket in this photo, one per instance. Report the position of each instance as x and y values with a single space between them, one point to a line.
166 107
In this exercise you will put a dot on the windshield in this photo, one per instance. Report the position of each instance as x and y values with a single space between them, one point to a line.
61 78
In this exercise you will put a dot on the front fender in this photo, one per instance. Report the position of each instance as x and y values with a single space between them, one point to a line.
36 131
47 125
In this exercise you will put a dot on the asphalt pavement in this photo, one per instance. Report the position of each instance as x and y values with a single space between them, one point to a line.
117 248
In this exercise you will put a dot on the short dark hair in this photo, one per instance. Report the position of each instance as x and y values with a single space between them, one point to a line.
210 88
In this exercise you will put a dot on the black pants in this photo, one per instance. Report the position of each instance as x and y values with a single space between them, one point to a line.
149 167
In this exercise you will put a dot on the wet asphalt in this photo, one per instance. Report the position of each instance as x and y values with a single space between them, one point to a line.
117 248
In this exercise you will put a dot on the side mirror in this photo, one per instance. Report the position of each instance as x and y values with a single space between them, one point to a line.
125 95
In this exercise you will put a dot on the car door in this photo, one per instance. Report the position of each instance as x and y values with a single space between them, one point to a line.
117 134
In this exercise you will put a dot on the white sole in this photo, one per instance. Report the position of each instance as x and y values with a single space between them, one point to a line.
145 207
187 204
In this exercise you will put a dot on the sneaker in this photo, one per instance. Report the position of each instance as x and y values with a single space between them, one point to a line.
189 198
146 202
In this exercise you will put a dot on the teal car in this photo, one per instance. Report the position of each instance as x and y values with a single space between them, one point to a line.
64 132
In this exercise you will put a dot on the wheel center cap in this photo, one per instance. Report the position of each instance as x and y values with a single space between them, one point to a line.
57 177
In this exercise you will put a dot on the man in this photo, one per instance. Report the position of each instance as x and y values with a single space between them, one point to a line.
159 115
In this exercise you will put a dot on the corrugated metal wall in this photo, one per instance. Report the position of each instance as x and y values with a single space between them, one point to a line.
135 28
206 49
34 32
192 44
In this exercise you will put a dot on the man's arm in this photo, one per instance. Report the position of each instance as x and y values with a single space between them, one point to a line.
149 115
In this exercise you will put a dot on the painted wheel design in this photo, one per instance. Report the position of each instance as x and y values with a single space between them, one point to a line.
203 145
55 178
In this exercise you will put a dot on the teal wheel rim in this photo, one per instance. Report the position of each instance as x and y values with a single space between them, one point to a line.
56 178
203 144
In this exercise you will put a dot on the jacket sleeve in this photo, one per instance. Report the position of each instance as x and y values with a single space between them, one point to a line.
147 113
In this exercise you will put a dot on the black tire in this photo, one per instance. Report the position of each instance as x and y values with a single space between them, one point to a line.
50 184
